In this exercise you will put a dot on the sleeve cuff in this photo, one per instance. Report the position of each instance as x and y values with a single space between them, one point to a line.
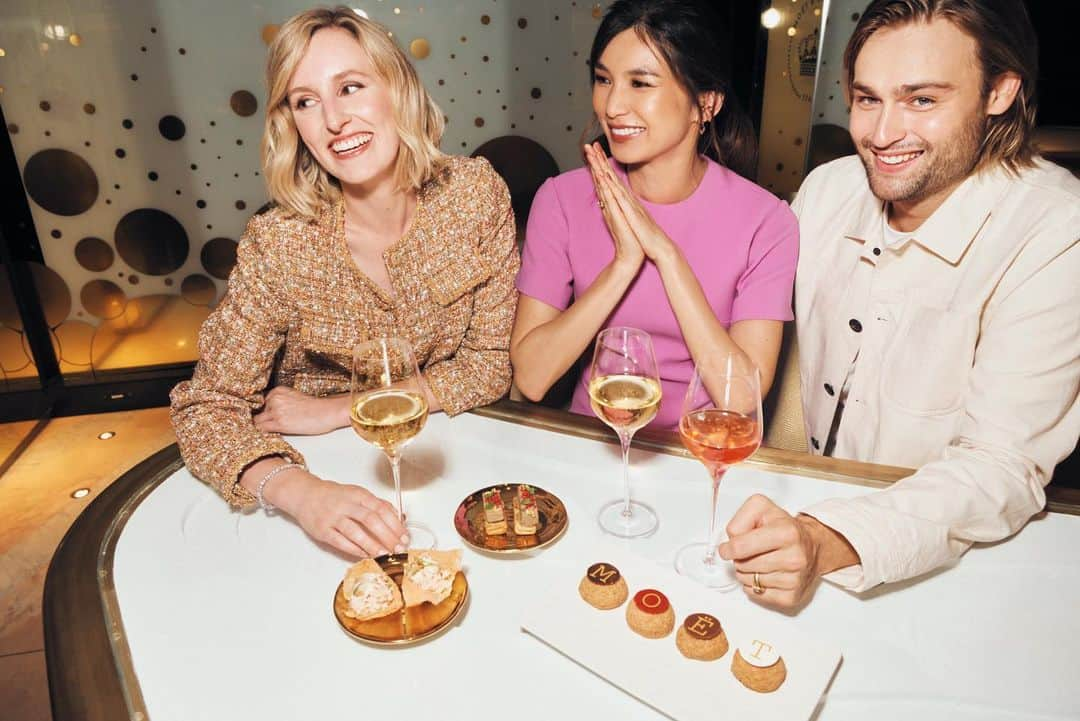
838 515
236 495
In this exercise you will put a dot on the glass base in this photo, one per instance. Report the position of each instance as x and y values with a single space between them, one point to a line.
640 521
421 537
719 575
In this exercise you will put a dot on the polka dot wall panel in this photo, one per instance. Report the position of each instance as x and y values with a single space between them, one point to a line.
136 127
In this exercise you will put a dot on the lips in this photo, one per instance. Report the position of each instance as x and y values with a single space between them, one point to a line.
624 133
351 144
894 162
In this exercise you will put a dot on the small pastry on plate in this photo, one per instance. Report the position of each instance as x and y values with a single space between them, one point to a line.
526 514
369 592
494 513
701 637
429 576
650 614
758 666
603 587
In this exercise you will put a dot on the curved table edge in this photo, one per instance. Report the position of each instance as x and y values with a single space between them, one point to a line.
83 655
96 655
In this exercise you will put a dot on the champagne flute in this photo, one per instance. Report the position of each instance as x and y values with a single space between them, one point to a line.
624 391
721 426
386 413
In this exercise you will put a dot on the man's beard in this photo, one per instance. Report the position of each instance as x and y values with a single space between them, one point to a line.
941 167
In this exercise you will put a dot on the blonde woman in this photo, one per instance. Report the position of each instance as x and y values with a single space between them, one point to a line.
373 232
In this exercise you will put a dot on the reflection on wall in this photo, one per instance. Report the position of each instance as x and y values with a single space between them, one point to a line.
137 126
789 85
829 132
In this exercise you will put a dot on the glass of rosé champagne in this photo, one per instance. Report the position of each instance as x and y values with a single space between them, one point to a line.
721 426
624 392
386 413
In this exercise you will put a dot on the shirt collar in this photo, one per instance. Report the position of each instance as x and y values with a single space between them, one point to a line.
949 231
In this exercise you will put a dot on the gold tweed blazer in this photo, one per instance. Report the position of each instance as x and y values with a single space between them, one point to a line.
297 304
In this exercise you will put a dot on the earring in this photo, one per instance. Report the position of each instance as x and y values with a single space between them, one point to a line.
701 128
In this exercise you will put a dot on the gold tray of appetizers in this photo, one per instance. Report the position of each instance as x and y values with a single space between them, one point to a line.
469 521
407 625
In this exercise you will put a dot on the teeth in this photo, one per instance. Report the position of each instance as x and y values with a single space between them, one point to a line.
897 159
627 132
356 141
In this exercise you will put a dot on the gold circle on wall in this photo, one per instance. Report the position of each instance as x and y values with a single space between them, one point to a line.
420 48
597 11
269 32
103 298
75 39
198 290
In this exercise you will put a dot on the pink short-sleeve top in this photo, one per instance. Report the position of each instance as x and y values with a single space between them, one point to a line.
740 240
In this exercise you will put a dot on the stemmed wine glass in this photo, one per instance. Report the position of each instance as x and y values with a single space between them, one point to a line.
721 426
387 413
624 391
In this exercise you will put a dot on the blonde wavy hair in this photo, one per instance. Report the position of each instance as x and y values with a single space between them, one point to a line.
1006 43
294 178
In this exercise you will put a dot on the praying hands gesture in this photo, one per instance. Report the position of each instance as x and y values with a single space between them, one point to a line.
636 234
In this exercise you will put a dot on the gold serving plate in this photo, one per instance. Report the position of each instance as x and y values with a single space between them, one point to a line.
409 625
469 521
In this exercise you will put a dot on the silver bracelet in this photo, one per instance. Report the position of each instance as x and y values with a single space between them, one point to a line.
268 508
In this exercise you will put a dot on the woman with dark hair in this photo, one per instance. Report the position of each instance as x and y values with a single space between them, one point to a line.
668 235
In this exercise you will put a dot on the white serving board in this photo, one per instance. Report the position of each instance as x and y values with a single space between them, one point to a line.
654 671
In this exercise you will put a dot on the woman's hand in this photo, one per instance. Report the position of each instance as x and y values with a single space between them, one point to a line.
349 518
629 254
629 223
291 412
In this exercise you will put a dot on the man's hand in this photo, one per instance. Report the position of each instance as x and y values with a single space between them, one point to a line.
291 412
788 553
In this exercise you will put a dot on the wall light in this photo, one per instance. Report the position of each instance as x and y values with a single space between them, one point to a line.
106 435
771 18
791 31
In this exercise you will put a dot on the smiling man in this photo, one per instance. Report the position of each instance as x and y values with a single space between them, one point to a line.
937 306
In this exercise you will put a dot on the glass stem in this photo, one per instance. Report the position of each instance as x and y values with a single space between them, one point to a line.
710 543
395 467
624 441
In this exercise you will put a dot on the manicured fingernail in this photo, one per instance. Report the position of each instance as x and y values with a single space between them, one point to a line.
382 552
399 548
405 538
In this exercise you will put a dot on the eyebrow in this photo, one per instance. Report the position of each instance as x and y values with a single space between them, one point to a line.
906 89
637 72
336 78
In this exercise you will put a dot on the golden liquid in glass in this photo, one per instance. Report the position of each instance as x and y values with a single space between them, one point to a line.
389 418
624 402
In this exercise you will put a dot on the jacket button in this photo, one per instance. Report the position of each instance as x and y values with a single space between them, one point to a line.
855 325
814 443
877 251
828 389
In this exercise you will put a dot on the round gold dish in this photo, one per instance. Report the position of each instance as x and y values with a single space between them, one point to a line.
409 625
469 521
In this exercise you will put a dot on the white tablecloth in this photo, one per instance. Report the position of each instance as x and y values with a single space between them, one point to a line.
228 615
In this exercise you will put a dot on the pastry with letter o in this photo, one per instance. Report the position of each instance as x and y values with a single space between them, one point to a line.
650 614
701 637
603 587
758 666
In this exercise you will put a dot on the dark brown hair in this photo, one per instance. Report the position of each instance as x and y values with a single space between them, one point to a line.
1006 42
693 41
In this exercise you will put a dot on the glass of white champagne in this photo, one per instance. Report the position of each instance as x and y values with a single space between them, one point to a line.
624 391
388 409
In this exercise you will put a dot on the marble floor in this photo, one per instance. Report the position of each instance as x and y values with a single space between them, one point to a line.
36 509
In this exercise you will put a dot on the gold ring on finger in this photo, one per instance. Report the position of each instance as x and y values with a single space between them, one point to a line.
758 589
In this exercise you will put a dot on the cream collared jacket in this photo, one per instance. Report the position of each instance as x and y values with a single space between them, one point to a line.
965 340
